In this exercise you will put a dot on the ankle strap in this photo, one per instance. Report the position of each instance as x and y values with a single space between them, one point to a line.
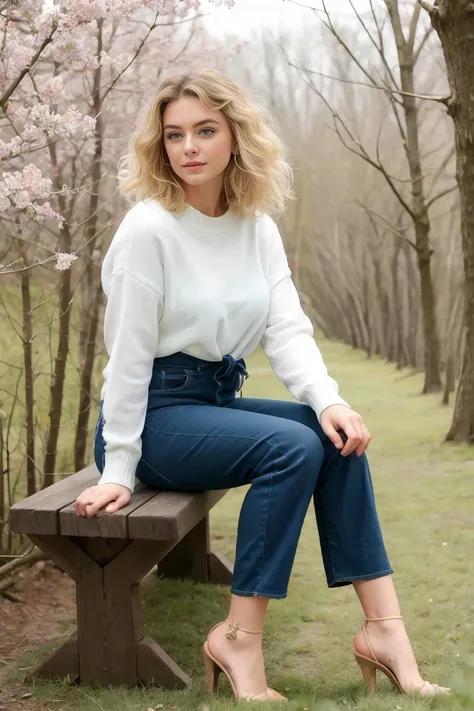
376 619
233 629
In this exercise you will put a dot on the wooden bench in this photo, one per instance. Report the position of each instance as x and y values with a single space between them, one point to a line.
108 556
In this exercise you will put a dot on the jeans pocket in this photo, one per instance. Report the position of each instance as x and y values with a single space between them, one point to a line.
174 380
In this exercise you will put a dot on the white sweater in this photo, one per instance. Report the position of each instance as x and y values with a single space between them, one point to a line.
207 287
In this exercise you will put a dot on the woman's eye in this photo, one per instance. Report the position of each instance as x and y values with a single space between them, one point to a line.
172 136
207 131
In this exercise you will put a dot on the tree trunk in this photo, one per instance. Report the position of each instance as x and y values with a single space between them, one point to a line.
432 382
29 381
82 428
413 296
421 222
451 339
92 294
3 508
454 22
59 375
383 306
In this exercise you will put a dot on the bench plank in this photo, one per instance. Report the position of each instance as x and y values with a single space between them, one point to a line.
39 512
171 514
104 525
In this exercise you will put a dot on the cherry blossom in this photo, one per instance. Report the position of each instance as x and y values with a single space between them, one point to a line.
64 261
47 56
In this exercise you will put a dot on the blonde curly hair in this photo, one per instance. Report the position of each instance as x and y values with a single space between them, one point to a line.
259 179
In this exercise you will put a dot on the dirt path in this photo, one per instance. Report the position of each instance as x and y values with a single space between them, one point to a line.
46 612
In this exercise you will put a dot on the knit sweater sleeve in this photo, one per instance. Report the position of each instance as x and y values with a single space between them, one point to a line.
133 310
288 340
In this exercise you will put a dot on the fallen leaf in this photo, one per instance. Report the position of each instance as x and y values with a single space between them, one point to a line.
26 696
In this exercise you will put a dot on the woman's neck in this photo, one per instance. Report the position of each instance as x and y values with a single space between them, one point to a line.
210 202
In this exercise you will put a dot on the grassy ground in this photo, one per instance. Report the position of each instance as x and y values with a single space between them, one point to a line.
425 495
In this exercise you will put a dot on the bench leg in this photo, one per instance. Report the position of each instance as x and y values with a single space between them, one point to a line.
62 663
192 559
109 649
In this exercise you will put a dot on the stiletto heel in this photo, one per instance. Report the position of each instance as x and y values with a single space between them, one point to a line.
368 672
369 666
214 667
212 670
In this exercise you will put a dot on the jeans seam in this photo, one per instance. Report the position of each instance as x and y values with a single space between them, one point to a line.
219 387
202 436
162 475
265 516
329 543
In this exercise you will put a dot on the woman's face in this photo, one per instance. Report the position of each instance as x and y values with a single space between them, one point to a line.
198 141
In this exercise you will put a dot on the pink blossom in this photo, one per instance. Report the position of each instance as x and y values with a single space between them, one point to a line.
5 203
41 124
45 212
64 261
51 89
21 190
39 110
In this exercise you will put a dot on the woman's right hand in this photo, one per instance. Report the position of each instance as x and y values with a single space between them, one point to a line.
95 498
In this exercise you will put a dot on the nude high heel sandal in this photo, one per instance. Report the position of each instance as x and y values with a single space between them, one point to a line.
370 665
214 668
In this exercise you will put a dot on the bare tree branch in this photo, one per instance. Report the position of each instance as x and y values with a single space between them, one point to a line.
379 47
134 57
385 223
327 22
422 44
388 90
430 9
447 191
31 555
413 28
361 152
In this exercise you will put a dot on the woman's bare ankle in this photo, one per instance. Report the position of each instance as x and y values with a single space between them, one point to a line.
242 656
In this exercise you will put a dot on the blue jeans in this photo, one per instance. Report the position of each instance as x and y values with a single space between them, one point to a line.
198 436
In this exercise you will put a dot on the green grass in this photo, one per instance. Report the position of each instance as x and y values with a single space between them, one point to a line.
425 495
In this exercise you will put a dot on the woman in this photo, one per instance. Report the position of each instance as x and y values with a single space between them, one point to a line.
196 278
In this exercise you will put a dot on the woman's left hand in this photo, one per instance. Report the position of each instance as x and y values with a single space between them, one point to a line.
340 417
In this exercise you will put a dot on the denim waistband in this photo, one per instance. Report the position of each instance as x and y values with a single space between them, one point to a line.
190 362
